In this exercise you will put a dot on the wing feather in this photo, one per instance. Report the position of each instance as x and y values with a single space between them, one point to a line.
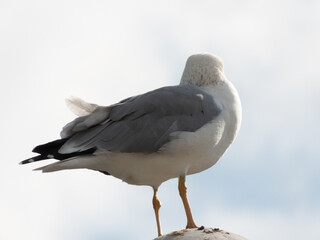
80 107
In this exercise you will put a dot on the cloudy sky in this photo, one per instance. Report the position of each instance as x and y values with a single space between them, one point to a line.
266 186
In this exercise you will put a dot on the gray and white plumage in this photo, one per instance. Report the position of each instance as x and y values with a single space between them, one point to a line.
150 138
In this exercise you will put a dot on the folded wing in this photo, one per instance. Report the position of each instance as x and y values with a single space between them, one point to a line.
141 124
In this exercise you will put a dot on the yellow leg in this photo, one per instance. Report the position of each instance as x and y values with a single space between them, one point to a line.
183 194
156 206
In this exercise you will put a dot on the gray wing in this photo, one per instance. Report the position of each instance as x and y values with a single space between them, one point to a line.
143 124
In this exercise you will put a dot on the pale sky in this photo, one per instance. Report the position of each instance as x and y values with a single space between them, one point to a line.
266 186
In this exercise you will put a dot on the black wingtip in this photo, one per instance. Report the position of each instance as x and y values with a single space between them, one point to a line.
30 160
33 159
49 147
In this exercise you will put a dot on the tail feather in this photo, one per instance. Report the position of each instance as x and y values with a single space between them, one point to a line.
81 162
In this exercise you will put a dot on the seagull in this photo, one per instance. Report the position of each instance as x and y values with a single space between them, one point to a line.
170 132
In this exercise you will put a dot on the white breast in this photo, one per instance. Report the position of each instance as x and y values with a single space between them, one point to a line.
218 135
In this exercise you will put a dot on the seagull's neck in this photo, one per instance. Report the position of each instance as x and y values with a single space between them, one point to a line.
226 94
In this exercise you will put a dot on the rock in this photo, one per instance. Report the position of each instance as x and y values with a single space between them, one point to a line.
201 233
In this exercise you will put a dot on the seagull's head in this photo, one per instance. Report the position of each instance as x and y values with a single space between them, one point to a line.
202 70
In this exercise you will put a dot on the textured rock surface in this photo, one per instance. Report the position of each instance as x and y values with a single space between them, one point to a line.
201 233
